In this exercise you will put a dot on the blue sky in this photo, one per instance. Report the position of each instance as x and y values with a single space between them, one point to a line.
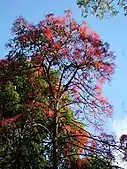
111 30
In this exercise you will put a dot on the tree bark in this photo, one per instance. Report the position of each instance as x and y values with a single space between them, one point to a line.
54 142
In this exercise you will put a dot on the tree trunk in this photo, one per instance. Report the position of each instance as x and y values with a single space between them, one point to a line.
54 142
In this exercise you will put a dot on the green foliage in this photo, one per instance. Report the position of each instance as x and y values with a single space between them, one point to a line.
9 99
21 146
97 162
102 8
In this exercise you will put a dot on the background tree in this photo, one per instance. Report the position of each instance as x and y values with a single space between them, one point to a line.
52 68
102 8
26 130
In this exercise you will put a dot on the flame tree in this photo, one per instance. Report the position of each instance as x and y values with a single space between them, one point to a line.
54 67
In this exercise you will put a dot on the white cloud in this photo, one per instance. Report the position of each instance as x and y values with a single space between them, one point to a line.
120 126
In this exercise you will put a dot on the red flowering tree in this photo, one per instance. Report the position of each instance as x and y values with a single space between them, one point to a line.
64 65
